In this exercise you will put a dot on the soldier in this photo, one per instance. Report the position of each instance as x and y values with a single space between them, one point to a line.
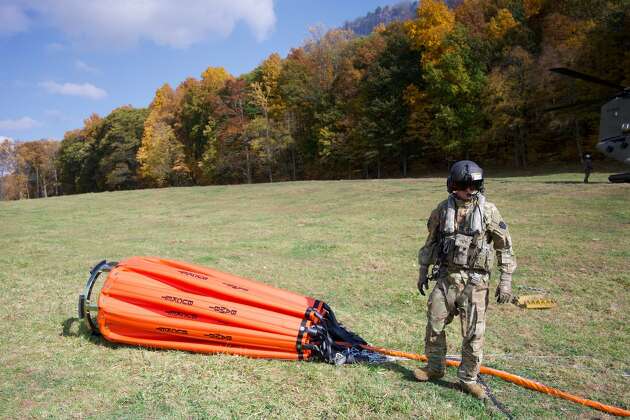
587 163
464 230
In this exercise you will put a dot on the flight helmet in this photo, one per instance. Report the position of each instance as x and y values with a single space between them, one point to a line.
463 174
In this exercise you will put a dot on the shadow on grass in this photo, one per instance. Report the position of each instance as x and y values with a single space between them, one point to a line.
69 330
407 374
493 407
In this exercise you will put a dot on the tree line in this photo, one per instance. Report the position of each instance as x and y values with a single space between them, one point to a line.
465 82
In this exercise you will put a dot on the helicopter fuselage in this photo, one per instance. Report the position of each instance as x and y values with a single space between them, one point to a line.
614 129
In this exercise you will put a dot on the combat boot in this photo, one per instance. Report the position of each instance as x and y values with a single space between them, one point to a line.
425 374
474 389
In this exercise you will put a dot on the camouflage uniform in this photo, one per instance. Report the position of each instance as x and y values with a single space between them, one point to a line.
462 279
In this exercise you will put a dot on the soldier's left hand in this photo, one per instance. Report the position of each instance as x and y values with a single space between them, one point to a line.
504 289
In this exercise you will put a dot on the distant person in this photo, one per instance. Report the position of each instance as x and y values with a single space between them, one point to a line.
587 163
465 231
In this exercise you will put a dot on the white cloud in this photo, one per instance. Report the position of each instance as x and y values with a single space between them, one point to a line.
9 139
121 23
55 47
23 123
86 90
83 66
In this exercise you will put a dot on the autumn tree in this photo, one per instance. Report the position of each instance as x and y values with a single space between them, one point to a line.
193 127
162 159
266 143
509 100
428 33
236 160
324 57
35 169
275 122
454 77
161 156
8 161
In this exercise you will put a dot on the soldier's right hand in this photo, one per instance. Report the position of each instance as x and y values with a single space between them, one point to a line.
423 280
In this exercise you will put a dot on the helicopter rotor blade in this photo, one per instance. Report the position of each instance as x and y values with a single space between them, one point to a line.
577 75
576 105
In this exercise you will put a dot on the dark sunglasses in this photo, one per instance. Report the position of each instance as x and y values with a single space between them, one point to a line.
474 185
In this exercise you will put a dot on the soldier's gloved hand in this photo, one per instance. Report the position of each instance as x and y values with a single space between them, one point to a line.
504 289
423 279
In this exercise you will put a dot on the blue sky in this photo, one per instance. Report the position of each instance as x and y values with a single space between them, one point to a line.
62 61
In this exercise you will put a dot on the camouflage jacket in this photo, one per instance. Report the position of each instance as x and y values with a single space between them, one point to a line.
461 251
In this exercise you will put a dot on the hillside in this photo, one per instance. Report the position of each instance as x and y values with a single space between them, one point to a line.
385 15
382 15
350 243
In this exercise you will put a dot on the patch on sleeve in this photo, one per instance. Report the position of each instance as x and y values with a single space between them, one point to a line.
502 225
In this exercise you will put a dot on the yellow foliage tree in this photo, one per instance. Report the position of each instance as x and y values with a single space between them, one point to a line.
270 70
163 161
213 79
269 74
428 32
161 155
501 24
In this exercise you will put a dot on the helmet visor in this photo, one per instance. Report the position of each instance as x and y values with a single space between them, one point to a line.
468 183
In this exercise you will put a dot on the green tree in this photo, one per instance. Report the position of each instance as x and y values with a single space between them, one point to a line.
266 143
210 159
78 157
455 82
121 136
386 115
295 84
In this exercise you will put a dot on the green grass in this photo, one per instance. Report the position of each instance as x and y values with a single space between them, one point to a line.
350 243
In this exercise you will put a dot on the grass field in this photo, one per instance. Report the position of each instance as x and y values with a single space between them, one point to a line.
350 243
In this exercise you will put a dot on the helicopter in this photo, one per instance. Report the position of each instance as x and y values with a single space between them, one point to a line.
614 124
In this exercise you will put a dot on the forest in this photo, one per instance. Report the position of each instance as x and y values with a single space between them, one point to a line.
470 81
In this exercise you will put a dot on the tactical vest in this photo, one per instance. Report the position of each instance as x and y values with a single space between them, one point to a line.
463 249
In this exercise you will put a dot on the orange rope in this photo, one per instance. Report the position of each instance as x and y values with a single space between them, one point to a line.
515 379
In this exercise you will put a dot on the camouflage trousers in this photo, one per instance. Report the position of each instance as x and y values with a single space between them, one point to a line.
462 293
